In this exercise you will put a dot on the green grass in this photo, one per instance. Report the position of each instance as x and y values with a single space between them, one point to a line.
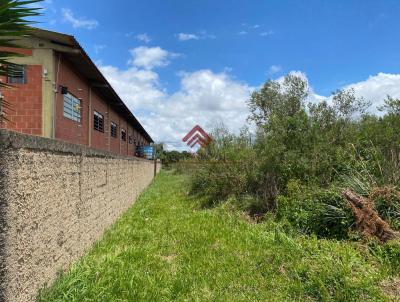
166 248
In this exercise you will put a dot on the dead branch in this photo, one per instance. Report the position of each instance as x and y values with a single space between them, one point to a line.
368 221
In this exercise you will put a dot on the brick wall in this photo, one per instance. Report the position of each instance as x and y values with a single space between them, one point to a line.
131 148
124 143
114 142
67 129
100 139
25 114
56 200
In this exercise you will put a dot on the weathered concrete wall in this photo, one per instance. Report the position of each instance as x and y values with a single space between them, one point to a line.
56 200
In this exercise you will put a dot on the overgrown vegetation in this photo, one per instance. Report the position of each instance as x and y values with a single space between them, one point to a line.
304 156
167 248
170 158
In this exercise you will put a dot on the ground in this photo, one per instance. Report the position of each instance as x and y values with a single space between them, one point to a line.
168 248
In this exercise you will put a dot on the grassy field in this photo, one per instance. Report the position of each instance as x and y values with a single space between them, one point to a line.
166 248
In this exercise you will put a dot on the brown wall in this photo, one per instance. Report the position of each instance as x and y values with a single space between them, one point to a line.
74 132
56 200
67 129
100 139
27 116
131 146
114 141
25 113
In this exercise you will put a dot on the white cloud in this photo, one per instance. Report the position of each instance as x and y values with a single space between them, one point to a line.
198 36
204 97
150 57
139 88
267 33
251 26
377 87
143 37
69 16
256 28
186 37
274 69
295 73
374 89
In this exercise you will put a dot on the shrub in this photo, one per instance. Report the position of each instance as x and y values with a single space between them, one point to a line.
226 167
318 211
301 159
387 203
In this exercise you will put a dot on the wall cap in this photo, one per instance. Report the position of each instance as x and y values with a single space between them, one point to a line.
15 140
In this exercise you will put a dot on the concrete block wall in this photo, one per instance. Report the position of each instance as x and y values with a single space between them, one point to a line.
56 200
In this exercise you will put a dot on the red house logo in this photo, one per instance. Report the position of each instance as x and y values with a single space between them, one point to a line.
197 136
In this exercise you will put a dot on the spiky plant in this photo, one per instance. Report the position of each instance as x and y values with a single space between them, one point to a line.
14 24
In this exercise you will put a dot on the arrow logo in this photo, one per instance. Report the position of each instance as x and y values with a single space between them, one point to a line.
197 136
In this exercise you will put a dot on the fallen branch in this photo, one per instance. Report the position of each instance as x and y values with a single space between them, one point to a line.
368 221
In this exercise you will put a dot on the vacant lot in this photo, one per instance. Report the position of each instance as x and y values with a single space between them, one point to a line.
166 248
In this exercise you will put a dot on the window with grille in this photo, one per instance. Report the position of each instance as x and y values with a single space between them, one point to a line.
130 139
114 129
72 107
16 74
98 121
123 134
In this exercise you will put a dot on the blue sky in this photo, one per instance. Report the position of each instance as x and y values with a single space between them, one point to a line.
178 63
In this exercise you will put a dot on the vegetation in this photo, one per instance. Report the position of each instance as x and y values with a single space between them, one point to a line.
170 158
303 157
167 248
14 23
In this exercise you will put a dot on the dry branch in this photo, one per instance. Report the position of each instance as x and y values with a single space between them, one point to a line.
368 221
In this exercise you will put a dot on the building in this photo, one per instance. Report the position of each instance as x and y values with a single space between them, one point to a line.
60 93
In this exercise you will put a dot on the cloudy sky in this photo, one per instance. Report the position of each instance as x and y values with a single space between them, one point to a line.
178 63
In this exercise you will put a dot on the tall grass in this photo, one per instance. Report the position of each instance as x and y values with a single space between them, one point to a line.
166 248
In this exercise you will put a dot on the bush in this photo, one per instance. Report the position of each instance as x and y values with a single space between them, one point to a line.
302 158
387 204
226 167
318 211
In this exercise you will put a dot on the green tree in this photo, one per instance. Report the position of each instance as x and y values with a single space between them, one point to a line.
159 149
303 156
391 106
14 24
278 99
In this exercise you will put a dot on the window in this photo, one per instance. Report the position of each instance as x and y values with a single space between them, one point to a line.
98 121
72 107
16 74
123 134
114 130
130 139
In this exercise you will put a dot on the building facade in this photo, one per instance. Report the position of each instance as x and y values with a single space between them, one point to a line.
58 92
